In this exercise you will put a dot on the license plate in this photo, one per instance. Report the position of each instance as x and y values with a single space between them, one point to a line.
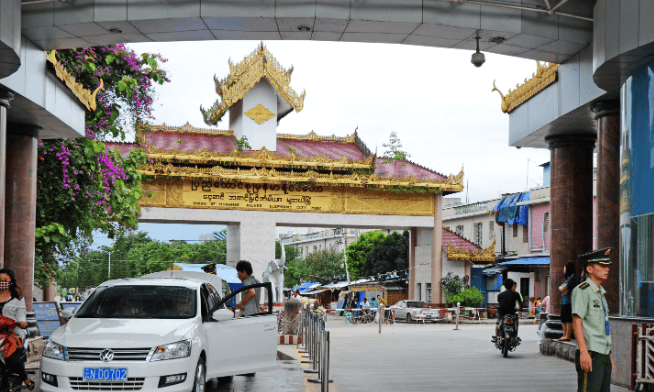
105 374
428 316
508 329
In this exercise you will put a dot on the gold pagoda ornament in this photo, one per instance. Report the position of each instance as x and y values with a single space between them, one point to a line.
544 76
244 76
260 114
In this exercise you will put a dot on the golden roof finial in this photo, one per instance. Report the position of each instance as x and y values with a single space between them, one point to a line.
244 75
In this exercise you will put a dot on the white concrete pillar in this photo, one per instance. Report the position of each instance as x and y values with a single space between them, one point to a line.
423 262
251 240
437 250
233 252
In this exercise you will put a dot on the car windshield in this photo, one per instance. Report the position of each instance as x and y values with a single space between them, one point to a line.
140 302
416 304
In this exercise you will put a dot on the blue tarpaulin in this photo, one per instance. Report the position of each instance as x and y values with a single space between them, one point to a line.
509 212
528 261
305 286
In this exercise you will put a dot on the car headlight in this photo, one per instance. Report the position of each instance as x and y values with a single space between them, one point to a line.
173 350
54 350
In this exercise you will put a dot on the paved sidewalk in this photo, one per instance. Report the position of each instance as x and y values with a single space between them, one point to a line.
417 357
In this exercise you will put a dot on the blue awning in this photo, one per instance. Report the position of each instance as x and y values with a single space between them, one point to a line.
528 261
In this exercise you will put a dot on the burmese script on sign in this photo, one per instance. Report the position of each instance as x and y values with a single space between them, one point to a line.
258 196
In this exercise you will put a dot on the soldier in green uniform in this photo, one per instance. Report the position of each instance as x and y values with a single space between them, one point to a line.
590 323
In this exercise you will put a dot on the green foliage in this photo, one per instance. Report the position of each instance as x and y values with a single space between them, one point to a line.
394 150
82 186
470 298
320 266
243 144
391 254
135 254
358 251
452 285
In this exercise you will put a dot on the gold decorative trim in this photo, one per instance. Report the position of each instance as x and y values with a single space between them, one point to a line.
259 158
476 256
544 76
188 129
85 96
272 176
314 137
260 114
244 75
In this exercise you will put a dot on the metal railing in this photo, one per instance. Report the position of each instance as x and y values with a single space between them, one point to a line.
315 344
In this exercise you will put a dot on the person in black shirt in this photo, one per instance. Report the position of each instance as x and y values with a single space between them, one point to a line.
506 304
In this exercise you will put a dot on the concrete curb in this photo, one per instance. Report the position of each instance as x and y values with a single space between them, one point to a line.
564 350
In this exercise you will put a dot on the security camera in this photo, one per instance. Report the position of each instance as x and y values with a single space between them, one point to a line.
478 59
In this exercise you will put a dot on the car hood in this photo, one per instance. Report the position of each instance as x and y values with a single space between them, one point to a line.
121 333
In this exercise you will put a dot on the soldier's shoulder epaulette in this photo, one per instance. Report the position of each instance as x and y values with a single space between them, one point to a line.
584 285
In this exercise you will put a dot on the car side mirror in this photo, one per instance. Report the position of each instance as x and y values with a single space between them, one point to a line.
223 315
68 313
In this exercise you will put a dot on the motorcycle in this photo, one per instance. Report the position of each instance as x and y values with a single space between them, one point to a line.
9 381
508 338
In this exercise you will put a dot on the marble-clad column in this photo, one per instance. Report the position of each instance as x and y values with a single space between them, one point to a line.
571 203
607 114
20 207
5 98
436 252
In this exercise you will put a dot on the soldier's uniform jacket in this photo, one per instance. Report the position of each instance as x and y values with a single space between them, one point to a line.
588 302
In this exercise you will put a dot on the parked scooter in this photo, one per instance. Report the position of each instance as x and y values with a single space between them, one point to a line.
508 339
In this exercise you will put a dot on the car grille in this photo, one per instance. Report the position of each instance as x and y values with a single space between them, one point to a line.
132 384
120 354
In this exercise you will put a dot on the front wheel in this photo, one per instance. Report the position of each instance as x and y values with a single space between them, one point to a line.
225 380
505 347
200 380
408 318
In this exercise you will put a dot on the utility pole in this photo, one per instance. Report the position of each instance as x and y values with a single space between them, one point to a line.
109 271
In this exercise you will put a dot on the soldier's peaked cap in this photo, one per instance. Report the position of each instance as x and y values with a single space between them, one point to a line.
600 256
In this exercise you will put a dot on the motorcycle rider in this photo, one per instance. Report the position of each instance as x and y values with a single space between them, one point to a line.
506 303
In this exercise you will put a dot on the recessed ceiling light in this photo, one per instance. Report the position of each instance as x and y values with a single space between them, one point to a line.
304 28
116 31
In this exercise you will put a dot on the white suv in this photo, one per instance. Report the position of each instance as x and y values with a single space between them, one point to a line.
168 331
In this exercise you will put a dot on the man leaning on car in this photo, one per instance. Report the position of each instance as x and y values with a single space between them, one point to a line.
250 301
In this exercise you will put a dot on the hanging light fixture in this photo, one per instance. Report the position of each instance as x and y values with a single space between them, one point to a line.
478 58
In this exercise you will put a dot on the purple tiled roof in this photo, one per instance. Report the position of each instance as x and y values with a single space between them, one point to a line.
456 241
399 170
306 149
191 141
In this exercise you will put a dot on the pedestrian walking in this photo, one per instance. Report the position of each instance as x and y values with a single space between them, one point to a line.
566 304
590 312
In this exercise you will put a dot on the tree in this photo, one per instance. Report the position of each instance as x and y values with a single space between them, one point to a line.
358 251
389 255
394 150
82 186
135 254
322 266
